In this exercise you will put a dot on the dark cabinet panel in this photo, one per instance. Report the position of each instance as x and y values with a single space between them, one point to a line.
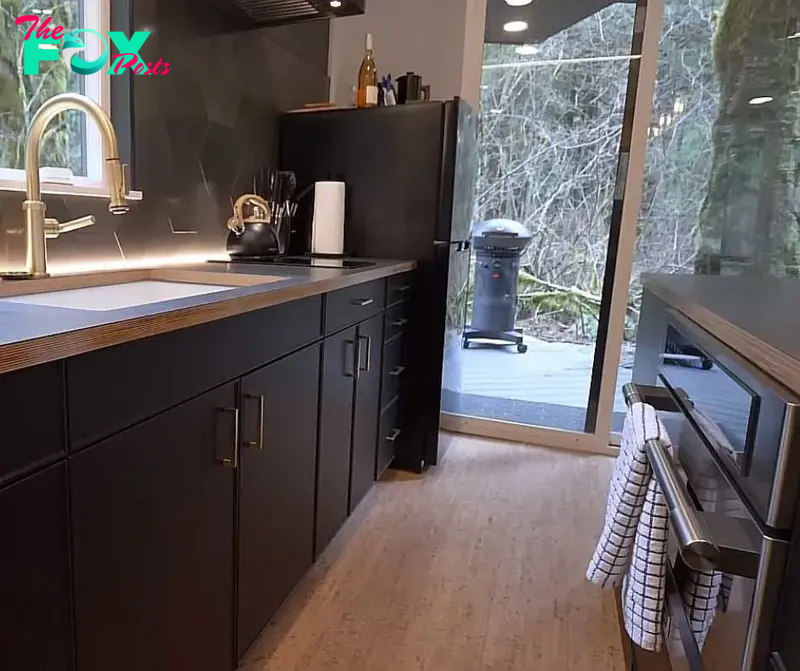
34 574
367 408
354 304
114 388
335 431
32 419
276 486
153 529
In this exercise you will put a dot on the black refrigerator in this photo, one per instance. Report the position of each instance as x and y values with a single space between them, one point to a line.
410 173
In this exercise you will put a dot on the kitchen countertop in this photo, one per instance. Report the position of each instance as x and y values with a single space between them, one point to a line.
35 334
758 317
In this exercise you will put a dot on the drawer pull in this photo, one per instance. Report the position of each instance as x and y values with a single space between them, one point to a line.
404 288
400 322
397 372
363 302
395 435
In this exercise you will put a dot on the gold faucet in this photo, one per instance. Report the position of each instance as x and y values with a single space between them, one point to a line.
37 227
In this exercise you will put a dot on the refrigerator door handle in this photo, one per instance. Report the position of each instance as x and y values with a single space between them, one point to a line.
460 245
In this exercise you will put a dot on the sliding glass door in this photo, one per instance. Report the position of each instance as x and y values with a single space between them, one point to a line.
556 129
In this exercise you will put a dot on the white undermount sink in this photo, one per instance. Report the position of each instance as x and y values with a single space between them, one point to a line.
133 289
118 296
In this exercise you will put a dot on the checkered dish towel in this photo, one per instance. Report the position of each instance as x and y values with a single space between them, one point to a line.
632 550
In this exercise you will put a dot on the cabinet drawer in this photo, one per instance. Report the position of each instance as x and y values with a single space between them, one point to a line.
393 371
352 305
398 288
390 434
112 389
396 321
32 419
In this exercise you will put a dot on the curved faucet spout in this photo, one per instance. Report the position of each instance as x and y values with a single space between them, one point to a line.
114 172
37 226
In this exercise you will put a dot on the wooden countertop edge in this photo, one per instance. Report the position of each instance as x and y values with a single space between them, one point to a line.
36 351
776 363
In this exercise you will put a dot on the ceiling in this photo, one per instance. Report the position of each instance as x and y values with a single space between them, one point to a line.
545 18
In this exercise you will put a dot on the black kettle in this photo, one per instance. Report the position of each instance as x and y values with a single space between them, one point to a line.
254 235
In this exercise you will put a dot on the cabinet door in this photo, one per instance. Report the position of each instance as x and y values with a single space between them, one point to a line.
34 574
335 431
367 409
153 528
276 486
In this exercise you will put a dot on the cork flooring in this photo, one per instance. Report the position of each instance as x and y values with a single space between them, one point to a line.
477 565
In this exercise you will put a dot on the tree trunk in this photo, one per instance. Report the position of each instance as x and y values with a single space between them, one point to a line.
749 216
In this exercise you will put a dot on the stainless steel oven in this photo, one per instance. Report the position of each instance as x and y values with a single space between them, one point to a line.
732 497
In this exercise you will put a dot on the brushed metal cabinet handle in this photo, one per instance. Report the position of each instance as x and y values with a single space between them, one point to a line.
352 370
395 435
363 302
397 372
232 462
400 322
259 443
368 340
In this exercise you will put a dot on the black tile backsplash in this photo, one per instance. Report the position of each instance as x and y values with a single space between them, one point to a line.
199 134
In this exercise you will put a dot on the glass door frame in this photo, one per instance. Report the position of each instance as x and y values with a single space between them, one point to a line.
597 437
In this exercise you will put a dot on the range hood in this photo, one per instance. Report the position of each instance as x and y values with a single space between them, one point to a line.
262 13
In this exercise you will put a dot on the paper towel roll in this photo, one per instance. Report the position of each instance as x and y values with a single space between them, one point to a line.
327 232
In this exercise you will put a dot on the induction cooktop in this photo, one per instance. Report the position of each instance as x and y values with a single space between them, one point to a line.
302 261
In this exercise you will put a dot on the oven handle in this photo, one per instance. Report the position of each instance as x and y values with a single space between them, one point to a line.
695 543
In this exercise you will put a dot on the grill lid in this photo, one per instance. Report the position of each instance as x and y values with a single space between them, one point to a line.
501 234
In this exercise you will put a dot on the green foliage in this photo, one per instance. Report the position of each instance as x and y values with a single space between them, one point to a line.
21 96
721 176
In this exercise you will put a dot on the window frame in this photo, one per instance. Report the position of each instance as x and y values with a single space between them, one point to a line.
96 16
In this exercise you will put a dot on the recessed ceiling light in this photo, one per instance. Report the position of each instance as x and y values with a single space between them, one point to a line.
336 3
761 100
495 111
527 49
518 3
515 26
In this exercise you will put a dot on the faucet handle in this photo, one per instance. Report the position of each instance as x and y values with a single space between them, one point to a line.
53 227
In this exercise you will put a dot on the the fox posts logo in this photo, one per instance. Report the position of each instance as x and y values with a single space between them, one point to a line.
43 43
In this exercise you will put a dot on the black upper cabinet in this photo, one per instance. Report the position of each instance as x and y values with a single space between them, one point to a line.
276 486
34 574
367 408
261 13
32 417
335 432
153 529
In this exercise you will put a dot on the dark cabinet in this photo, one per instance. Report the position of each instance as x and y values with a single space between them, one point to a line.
335 433
153 528
32 417
367 408
34 574
276 487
